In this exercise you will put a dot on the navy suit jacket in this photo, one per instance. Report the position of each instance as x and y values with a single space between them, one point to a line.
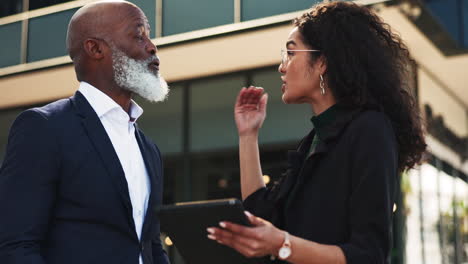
63 194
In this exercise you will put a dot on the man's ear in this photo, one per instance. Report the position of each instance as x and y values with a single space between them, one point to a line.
95 48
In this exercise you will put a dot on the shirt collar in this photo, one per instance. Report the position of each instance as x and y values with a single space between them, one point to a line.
135 111
325 119
330 123
103 104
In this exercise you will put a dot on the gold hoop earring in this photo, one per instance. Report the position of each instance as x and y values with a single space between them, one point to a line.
322 85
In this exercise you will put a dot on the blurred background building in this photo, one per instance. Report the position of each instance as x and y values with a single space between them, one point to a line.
209 49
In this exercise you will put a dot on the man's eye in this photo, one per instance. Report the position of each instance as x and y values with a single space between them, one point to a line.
290 53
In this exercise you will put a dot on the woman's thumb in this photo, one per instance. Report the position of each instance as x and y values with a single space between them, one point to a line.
256 221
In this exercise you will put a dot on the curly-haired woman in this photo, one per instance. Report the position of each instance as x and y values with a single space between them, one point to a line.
334 203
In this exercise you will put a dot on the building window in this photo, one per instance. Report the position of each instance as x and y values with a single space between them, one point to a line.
452 15
10 7
437 215
253 9
186 15
47 34
163 121
36 4
10 53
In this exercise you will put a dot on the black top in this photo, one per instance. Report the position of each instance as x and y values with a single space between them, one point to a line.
320 122
343 193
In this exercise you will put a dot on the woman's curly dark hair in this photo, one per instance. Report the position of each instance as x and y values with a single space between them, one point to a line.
366 64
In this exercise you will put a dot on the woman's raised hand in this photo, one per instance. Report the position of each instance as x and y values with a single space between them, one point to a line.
250 110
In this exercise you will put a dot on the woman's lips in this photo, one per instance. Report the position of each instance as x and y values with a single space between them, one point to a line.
283 87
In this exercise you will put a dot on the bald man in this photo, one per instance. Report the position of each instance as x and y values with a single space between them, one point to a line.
80 181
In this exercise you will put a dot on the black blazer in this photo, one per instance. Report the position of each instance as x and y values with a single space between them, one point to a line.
343 193
63 193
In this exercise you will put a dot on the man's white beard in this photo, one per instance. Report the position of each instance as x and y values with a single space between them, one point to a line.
136 77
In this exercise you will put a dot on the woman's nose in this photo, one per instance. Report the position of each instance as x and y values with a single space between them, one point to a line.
281 68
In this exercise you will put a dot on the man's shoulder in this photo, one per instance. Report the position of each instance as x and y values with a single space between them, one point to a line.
53 115
54 111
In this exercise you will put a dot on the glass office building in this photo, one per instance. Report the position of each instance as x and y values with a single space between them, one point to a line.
210 49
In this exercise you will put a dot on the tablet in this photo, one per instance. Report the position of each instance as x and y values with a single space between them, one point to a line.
186 223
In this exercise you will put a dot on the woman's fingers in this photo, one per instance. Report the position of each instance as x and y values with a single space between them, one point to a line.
259 240
249 96
241 230
246 246
229 238
254 95
239 99
256 221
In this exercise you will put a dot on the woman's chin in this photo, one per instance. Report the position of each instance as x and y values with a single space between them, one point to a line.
287 99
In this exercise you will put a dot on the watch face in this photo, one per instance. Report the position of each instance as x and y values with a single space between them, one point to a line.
284 252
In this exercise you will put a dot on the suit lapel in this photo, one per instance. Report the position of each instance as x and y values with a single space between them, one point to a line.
98 136
150 164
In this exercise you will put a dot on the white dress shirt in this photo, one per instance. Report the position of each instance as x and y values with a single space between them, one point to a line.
120 128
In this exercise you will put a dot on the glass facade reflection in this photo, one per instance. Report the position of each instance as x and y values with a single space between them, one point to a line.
437 214
452 15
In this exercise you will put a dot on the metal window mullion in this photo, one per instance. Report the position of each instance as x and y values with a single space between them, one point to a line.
237 11
24 41
443 245
421 217
461 33
159 18
457 253
248 79
186 152
24 34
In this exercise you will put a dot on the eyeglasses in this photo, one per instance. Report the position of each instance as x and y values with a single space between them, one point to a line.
285 54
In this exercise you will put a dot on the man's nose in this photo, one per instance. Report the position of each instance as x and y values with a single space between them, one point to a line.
151 48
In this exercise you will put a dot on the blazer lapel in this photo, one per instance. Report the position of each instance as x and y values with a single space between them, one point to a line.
98 136
330 133
320 148
295 163
150 164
